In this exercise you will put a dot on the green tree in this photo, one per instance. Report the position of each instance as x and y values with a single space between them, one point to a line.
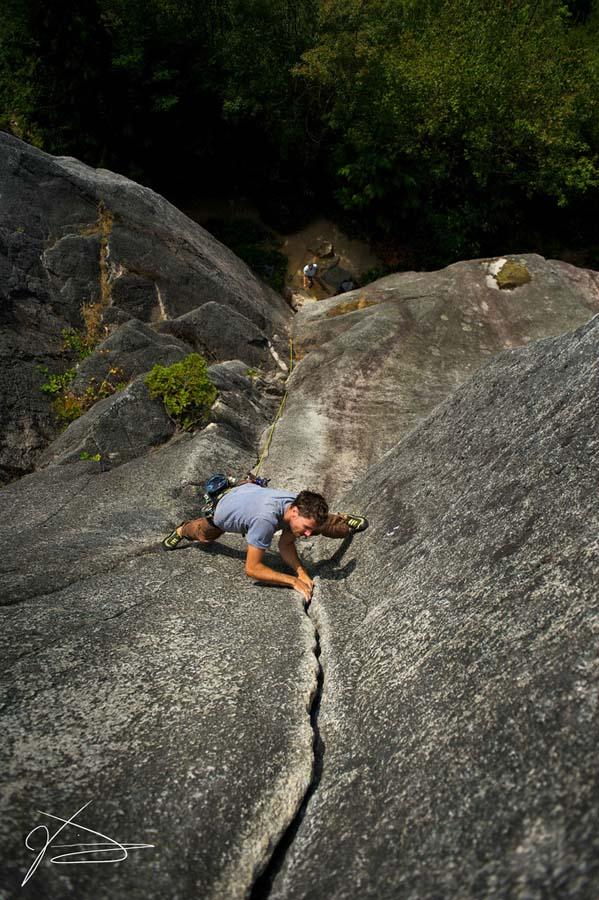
455 114
155 88
52 62
450 120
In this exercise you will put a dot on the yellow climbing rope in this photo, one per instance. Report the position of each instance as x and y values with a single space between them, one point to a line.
271 430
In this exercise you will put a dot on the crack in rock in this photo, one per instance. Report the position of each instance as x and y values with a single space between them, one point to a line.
76 493
263 885
144 550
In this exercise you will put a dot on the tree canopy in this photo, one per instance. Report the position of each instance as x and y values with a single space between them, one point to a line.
450 120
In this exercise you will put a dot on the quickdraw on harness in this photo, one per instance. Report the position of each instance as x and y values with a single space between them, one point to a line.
218 485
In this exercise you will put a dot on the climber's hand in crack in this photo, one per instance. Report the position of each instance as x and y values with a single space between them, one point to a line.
303 588
303 576
256 569
303 582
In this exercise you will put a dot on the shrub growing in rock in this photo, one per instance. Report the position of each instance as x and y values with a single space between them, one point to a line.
69 405
56 383
185 390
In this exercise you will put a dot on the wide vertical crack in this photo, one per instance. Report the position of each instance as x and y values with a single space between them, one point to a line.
263 884
105 225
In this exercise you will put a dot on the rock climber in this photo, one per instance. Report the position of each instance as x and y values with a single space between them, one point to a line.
257 512
310 274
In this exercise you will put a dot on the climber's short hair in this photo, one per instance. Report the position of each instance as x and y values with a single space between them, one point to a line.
312 506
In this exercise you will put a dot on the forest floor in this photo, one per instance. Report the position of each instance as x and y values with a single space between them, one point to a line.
348 255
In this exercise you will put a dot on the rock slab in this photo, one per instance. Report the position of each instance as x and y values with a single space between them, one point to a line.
165 688
374 362
460 639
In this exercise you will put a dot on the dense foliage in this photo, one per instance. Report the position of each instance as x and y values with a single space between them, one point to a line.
185 389
450 122
76 346
455 115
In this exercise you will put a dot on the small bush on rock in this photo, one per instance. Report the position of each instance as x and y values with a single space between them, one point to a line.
57 382
68 405
185 390
76 342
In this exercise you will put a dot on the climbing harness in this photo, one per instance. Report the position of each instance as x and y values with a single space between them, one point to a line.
215 489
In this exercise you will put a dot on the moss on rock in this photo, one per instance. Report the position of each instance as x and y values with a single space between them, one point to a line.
350 306
513 274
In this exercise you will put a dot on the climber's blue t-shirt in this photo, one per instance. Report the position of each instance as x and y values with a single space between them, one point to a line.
254 511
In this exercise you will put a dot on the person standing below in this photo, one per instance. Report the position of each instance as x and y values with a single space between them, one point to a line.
257 512
310 273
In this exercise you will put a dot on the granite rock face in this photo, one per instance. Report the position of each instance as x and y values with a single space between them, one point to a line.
166 688
456 726
245 406
377 360
72 236
460 642
118 429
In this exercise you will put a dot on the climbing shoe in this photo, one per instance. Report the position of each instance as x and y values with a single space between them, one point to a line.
172 541
356 523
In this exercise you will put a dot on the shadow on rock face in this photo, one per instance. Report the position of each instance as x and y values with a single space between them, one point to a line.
328 568
461 678
215 550
77 239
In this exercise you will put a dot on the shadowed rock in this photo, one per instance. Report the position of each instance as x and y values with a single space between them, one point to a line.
221 333
72 236
118 429
245 406
460 642
131 422
379 359
133 349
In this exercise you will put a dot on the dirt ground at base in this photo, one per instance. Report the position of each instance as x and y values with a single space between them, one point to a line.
349 255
